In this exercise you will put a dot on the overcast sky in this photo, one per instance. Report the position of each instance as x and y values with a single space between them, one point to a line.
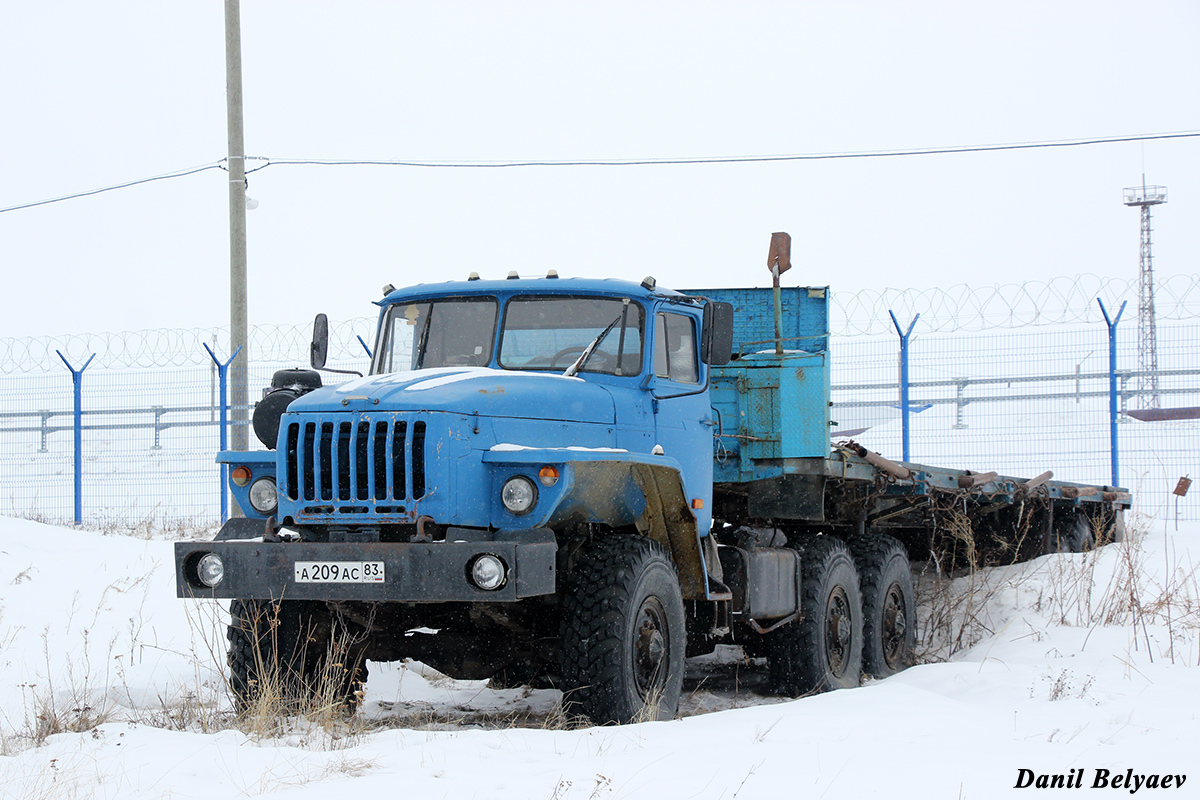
98 94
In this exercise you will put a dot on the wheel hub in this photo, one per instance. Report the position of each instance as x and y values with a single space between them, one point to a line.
650 648
895 627
838 631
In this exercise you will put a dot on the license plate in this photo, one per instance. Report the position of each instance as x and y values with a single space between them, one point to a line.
339 572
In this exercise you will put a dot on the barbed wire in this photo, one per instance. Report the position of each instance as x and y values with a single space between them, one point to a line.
1059 301
181 347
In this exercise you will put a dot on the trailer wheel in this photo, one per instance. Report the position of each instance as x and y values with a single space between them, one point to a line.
623 635
1115 528
889 604
1074 535
280 654
824 650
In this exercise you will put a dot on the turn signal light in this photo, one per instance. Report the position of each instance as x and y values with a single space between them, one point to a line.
548 476
240 475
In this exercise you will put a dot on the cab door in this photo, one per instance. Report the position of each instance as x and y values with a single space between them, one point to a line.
682 412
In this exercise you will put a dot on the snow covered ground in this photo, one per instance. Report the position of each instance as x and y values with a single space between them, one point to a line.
1071 662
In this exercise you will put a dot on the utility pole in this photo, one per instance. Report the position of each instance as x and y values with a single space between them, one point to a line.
238 324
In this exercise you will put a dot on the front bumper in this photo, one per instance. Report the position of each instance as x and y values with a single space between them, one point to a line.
431 572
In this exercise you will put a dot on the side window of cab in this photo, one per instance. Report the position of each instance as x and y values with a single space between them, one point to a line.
675 348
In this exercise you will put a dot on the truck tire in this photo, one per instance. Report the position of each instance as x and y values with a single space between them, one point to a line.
889 604
1114 529
245 650
1073 535
623 636
823 650
279 653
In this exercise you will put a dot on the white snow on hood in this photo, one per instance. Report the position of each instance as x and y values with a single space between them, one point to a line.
442 376
511 448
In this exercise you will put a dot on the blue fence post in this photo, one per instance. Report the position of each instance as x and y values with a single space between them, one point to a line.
904 410
223 382
1112 388
77 385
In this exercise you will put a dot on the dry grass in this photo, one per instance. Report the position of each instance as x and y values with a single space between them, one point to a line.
1108 586
153 524
952 604
305 705
84 684
74 705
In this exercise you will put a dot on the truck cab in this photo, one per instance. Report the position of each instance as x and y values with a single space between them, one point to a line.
466 377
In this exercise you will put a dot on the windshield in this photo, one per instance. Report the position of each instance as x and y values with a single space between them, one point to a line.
550 333
439 333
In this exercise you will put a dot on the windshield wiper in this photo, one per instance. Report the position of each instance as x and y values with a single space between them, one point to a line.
591 348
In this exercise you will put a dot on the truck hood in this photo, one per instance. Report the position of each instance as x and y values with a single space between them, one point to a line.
469 390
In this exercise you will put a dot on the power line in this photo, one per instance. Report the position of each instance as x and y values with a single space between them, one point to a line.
621 162
165 176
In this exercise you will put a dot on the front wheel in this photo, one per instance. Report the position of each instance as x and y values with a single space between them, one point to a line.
623 636
291 656
824 650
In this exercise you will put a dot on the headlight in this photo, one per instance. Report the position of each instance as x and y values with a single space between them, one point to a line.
263 496
488 572
210 570
518 495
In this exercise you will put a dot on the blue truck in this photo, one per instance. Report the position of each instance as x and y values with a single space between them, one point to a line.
580 484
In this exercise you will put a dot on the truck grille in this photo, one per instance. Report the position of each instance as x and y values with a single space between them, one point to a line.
364 460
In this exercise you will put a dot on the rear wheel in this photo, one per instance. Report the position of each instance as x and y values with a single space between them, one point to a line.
889 604
623 636
824 650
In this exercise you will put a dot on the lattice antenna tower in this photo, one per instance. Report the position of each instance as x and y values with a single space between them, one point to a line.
1145 196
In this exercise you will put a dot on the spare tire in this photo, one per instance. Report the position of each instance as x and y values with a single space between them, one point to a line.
302 380
286 386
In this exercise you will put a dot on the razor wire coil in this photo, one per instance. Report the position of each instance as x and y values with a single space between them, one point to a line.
1065 300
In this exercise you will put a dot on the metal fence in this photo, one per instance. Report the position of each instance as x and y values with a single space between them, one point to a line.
1023 401
149 421
1013 379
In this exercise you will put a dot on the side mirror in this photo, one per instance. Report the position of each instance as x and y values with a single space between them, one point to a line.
319 349
716 344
